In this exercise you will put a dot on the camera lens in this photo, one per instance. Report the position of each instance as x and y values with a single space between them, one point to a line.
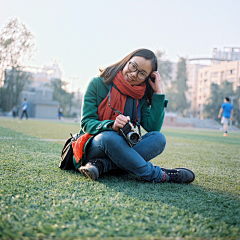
133 137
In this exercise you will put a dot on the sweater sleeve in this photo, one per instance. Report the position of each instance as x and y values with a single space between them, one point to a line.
152 116
90 122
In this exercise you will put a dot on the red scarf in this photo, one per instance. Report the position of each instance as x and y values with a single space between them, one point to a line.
118 101
118 98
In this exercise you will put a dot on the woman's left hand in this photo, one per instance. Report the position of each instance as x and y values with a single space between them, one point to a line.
156 86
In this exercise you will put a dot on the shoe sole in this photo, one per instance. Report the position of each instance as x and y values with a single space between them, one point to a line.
189 171
88 174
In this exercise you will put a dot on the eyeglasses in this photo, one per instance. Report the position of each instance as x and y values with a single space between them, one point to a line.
133 68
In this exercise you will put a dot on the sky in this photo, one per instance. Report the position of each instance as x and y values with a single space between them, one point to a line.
83 36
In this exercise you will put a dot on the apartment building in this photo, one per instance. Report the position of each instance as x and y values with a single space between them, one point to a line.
192 83
43 76
216 73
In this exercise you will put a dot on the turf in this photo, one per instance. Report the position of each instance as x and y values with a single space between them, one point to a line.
38 200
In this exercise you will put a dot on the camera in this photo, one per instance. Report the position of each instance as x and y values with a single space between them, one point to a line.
130 134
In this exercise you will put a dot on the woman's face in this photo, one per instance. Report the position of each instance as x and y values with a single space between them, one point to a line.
140 67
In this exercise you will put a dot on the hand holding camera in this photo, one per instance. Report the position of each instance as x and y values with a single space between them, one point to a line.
126 128
120 122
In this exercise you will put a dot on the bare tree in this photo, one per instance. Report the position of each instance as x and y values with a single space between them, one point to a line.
164 65
17 46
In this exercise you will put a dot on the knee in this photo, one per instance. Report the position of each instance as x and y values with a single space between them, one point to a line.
106 137
160 140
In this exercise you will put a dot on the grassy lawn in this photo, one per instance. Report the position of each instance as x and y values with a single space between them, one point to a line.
39 200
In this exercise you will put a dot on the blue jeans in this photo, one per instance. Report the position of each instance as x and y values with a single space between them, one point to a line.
114 152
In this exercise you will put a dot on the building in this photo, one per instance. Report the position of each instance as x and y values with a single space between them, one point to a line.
38 92
192 83
228 53
224 66
40 95
44 76
40 103
216 73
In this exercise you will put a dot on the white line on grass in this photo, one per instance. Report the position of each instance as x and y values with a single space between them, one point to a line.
35 139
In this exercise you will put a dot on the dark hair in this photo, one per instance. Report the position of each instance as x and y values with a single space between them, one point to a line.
227 99
109 73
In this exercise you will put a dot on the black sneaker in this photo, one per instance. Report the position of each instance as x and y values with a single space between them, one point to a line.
90 171
179 175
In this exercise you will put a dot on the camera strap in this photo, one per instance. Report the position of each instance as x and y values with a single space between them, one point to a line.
109 101
117 111
138 118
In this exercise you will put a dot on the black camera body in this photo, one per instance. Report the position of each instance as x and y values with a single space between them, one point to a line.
130 134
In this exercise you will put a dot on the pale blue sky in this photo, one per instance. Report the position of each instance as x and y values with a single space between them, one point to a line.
86 35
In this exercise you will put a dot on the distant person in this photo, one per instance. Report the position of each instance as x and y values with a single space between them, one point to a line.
226 111
14 111
24 108
60 110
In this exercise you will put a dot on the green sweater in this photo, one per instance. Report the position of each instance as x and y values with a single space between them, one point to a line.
151 116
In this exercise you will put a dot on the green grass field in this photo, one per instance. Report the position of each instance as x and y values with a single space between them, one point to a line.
38 200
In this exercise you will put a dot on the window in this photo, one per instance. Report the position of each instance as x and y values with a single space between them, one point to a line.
206 73
215 74
230 72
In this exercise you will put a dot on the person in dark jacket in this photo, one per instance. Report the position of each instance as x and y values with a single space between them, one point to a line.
14 111
126 95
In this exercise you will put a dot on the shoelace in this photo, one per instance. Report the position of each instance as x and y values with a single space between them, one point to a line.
173 176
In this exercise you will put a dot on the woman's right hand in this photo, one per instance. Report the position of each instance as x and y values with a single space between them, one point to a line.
120 122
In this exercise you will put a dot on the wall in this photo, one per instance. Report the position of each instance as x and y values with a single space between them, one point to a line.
46 111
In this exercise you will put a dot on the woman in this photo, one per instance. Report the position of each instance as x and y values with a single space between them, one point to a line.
128 91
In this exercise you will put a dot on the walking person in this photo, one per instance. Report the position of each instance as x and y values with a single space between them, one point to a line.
126 94
226 111
24 108
60 112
